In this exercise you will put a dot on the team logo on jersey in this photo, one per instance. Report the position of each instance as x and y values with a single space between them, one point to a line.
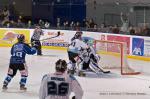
10 36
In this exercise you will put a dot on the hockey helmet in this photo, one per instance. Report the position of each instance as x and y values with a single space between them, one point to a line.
88 40
78 34
61 65
21 38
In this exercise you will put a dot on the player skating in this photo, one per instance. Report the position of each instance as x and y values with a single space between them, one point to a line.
74 49
59 85
17 62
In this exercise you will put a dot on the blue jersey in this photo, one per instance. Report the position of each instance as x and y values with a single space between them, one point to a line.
19 51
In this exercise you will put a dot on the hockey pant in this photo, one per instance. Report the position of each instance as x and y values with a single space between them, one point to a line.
37 45
94 63
73 57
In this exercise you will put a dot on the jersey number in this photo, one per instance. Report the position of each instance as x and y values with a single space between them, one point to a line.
18 54
57 89
73 44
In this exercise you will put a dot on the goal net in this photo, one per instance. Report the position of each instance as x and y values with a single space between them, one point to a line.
114 56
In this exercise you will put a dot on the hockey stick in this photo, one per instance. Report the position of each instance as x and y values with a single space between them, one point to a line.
100 68
58 34
103 71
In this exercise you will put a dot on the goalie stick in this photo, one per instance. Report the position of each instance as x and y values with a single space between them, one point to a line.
103 71
100 69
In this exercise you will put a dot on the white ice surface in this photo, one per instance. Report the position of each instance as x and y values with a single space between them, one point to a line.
109 86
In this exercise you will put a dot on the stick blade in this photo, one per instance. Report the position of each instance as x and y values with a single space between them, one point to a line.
105 72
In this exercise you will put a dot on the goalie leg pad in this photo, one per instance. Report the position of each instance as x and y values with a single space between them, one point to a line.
94 67
95 58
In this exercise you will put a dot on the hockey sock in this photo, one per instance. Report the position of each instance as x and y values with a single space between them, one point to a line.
23 80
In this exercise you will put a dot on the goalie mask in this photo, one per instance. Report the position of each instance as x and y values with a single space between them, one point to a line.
61 65
78 34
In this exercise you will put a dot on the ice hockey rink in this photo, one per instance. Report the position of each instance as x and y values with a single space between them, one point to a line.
103 86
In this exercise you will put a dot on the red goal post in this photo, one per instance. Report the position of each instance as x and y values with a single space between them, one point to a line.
114 56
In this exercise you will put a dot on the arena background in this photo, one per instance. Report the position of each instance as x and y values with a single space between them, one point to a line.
99 20
102 11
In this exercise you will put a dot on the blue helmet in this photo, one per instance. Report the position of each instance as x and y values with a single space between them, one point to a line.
21 38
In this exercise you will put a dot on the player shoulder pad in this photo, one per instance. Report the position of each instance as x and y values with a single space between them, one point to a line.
44 76
18 43
72 77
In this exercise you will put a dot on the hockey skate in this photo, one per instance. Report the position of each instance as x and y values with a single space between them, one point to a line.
71 72
4 87
22 87
81 74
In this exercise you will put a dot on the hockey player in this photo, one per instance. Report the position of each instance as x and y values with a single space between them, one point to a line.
59 85
90 60
17 62
74 48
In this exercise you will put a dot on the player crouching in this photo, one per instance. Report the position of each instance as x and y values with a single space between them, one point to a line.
17 62
89 60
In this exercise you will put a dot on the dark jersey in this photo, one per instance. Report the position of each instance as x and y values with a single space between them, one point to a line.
19 51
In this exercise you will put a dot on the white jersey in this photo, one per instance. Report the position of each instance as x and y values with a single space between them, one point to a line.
59 86
76 45
85 55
